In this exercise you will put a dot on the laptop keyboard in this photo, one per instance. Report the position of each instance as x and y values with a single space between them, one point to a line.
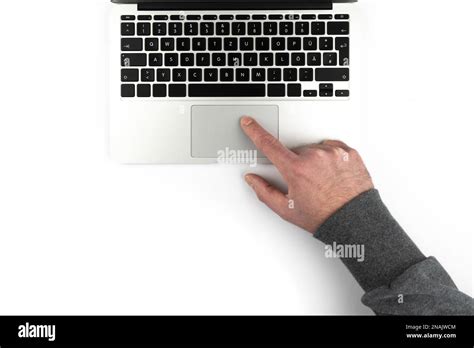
247 56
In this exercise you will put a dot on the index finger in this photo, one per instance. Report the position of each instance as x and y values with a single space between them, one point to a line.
270 146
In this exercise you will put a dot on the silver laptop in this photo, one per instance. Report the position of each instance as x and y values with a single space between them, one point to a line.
183 73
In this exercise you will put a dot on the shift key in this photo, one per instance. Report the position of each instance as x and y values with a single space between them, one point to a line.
332 74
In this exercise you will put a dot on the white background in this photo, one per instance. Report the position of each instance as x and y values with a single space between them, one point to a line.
80 234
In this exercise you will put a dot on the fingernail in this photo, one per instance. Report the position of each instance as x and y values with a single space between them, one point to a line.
246 121
248 179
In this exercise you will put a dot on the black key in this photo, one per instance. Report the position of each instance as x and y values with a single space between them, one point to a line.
266 59
270 28
276 90
223 28
242 75
254 28
238 28
330 59
306 74
338 28
128 91
292 17
177 17
159 91
227 90
144 29
302 28
294 90
258 75
227 75
193 17
290 74
191 28
274 75
183 44
163 75
129 75
276 17
207 28
314 59
243 17
218 59
210 75
326 90
325 16
214 44
332 74
195 75
167 44
342 45
199 44
282 59
262 44
179 75
144 91
160 18
203 59
171 59
250 59
128 29
151 44
234 59
132 44
159 29
308 16
187 59
294 44
148 75
326 44
134 59
175 29
128 18
144 18
310 93
177 90
230 44
210 17
259 17
246 44
342 16
342 93
286 28
318 28
155 59
310 44
278 44
226 17
298 59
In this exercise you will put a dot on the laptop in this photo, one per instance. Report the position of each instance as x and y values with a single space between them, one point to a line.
184 72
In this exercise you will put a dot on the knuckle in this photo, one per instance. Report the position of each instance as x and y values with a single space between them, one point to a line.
268 140
319 153
300 168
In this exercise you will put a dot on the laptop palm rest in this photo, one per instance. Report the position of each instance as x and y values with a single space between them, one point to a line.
216 128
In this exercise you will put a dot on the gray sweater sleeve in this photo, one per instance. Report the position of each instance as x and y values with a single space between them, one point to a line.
397 278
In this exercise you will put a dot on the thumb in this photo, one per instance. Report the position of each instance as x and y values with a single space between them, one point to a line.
269 195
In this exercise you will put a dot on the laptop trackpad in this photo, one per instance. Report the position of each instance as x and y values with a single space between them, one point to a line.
216 128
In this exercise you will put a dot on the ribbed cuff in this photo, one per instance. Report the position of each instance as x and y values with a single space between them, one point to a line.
365 224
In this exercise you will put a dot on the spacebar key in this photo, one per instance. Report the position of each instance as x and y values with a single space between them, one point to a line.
227 90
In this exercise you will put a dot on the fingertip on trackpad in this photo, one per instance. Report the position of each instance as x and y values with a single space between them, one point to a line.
216 128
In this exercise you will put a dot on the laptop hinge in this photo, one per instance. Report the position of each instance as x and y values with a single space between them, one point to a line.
242 5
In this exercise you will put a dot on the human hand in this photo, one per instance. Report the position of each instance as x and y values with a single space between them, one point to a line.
321 178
